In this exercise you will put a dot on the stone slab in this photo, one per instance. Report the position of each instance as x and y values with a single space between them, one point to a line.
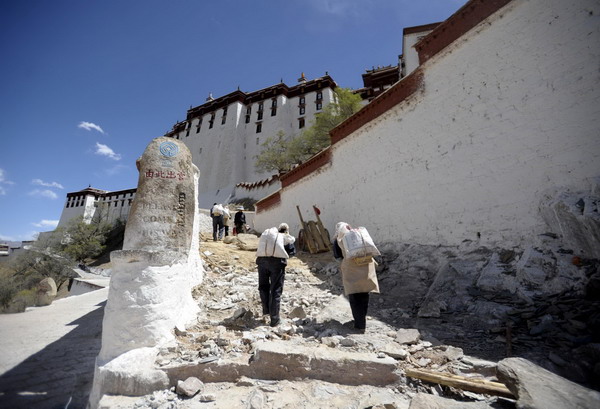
282 360
538 388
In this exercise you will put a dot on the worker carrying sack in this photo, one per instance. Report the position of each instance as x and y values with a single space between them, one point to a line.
217 210
359 246
271 244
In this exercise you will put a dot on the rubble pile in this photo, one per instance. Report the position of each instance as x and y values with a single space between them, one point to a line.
315 359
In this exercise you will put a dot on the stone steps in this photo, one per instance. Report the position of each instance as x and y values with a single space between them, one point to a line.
281 360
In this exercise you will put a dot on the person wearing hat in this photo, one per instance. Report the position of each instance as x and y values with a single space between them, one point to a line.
358 279
239 220
275 246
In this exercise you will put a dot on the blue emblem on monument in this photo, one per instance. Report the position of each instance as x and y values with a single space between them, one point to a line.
168 149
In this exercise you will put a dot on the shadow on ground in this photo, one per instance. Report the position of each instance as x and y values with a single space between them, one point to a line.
60 375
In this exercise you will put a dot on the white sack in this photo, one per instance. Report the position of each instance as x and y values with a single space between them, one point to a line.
271 244
358 243
217 210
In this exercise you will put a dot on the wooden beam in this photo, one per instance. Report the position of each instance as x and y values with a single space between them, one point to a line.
461 382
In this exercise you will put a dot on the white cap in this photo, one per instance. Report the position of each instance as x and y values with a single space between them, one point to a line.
283 226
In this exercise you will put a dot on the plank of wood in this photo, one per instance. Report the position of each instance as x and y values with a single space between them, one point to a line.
323 232
307 235
461 382
316 234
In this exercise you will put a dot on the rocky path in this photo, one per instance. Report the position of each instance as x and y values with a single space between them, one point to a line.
313 359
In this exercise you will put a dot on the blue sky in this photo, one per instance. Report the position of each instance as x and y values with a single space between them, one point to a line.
85 85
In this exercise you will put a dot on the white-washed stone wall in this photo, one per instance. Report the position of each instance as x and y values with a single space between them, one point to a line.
225 154
509 115
101 208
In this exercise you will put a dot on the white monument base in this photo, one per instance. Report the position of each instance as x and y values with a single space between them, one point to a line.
150 294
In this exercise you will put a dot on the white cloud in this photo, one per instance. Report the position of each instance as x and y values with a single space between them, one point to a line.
104 150
88 126
43 193
4 181
47 184
338 8
46 223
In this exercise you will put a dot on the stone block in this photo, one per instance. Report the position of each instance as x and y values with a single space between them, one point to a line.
283 360
408 336
190 387
538 388
47 291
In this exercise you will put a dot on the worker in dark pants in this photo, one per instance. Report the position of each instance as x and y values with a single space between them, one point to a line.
358 280
272 255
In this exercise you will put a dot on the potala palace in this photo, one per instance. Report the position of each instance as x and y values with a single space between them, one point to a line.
483 130
225 135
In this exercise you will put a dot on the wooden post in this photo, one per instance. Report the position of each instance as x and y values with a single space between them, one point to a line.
323 232
307 235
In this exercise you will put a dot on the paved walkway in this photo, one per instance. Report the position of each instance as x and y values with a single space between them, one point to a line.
47 354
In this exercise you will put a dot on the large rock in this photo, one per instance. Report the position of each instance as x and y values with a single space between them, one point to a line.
247 242
131 374
47 291
576 217
163 213
190 387
408 336
538 388
425 401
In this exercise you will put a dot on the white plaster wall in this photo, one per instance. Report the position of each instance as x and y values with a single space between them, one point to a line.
105 208
257 193
509 115
69 213
409 53
226 153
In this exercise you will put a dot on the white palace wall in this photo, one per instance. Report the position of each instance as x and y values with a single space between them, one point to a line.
226 153
506 116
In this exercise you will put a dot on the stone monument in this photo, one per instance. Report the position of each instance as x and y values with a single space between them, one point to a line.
152 277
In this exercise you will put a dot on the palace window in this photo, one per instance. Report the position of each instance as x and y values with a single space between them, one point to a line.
302 110
212 121
224 118
198 125
300 123
259 116
302 100
248 113
320 96
273 106
258 129
187 130
319 106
